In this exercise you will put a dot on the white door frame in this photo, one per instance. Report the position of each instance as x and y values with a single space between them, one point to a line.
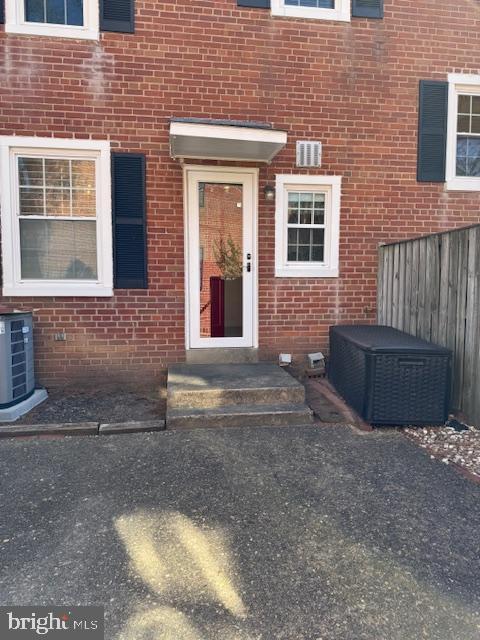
248 177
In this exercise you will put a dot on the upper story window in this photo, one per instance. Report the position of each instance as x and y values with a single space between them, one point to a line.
68 12
316 4
468 136
307 226
319 9
61 18
463 145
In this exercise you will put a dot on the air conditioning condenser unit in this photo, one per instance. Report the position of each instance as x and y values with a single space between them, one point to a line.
18 394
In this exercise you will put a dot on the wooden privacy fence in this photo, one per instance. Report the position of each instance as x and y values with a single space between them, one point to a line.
430 288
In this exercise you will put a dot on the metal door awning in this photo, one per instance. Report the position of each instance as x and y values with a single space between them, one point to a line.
198 138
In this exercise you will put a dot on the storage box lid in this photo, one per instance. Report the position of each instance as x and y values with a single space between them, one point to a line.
381 339
8 311
10 314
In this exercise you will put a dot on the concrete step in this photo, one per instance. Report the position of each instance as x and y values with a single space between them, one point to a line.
274 415
198 386
221 356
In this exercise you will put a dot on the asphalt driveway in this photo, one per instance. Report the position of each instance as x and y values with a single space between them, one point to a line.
290 533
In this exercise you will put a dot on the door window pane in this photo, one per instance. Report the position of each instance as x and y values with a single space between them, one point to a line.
221 260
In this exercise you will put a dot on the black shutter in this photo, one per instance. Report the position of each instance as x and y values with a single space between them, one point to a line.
367 8
432 131
129 221
2 11
117 15
257 4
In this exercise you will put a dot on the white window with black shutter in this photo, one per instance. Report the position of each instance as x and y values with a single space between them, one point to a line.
367 9
56 217
463 138
319 9
432 130
81 19
129 220
55 18
117 15
449 132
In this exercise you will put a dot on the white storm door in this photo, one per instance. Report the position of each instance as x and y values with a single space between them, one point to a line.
221 205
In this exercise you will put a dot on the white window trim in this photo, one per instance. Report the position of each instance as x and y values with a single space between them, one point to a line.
15 22
342 11
13 285
330 267
458 84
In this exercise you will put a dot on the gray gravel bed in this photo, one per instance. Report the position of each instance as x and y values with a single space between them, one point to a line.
459 447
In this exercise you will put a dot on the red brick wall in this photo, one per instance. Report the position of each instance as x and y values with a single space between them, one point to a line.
353 86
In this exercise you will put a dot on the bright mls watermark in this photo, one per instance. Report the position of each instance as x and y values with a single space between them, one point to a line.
58 623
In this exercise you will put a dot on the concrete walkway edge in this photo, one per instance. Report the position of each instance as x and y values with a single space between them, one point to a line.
79 428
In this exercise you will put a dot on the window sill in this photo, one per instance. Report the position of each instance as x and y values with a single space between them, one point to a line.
311 13
73 290
306 272
463 184
52 31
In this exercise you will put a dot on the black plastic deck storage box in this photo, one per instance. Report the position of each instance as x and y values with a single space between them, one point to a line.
390 377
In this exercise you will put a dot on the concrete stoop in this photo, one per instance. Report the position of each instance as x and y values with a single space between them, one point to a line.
234 395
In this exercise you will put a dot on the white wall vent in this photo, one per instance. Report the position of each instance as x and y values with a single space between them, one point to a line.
309 154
